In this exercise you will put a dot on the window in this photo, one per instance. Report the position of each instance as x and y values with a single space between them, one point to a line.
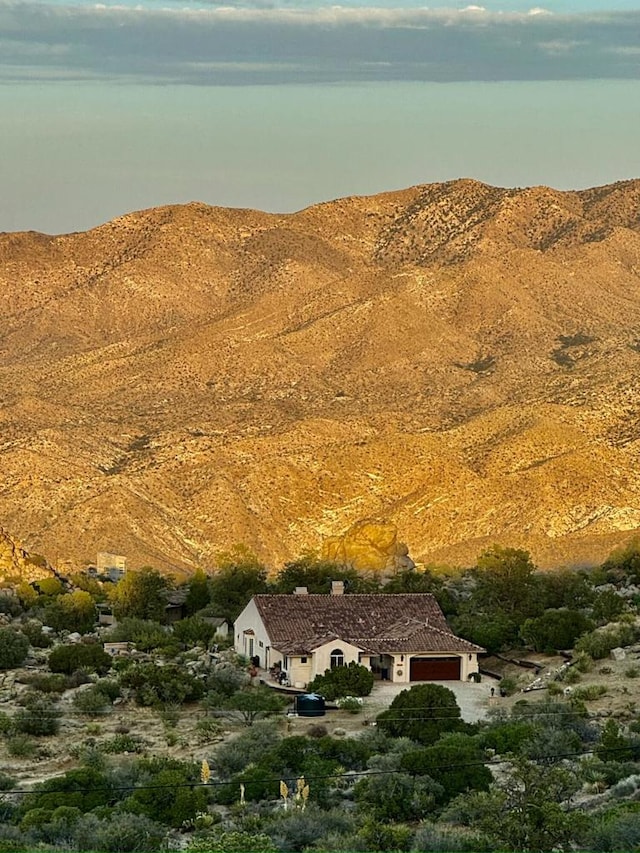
261 644
337 658
303 660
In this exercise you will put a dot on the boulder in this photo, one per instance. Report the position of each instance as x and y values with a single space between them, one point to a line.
617 654
369 545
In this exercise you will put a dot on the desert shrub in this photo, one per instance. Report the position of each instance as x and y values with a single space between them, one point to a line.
158 685
47 683
295 830
254 703
120 832
351 680
555 630
507 736
32 629
454 762
440 838
21 746
121 743
396 797
13 648
232 841
353 704
5 723
632 672
508 685
422 713
145 634
88 656
234 755
170 800
616 832
607 606
39 718
49 586
10 604
194 630
91 702
589 692
225 680
599 643
208 729
6 782
85 788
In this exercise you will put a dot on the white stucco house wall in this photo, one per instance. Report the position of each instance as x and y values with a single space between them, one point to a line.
401 638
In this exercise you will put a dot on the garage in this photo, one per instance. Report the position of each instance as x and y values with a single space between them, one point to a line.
434 669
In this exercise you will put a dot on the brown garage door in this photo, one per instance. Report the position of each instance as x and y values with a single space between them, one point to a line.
435 669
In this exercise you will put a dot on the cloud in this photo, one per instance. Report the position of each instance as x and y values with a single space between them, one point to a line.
231 45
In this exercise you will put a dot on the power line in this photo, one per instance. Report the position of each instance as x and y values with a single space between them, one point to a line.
346 775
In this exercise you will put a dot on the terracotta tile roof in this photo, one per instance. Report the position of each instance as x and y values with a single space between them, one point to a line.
298 624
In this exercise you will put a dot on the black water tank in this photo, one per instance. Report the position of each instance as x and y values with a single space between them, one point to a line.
310 705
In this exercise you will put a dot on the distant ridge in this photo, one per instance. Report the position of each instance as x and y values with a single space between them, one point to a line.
459 359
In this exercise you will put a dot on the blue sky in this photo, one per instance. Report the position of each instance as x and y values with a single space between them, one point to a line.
280 103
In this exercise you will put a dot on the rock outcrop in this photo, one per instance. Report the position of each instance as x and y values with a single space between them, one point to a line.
369 546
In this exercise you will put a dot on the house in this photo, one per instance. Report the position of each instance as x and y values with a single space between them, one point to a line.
401 638
111 566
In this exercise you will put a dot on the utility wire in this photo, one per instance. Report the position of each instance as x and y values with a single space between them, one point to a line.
347 775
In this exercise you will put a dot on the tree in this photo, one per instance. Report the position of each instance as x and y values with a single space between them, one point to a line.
141 594
73 612
454 762
422 713
351 680
527 809
255 703
169 798
316 575
555 630
13 648
506 582
199 594
161 685
240 577
89 656
623 564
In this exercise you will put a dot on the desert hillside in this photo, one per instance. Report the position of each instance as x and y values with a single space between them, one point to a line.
459 359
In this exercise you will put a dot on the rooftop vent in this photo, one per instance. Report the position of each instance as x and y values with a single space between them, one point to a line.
301 590
337 587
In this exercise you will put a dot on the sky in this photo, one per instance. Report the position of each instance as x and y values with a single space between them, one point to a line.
278 104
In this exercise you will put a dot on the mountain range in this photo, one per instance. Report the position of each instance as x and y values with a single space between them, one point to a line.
459 360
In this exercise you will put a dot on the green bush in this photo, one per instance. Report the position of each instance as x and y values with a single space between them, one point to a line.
13 648
599 643
555 630
46 683
89 656
34 633
632 672
422 713
120 832
508 685
91 701
122 743
21 746
160 685
6 782
39 718
353 704
589 692
194 630
145 634
351 680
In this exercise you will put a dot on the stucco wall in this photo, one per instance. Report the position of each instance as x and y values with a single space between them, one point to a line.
247 620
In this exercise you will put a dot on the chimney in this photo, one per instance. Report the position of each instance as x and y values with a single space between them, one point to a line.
301 590
337 587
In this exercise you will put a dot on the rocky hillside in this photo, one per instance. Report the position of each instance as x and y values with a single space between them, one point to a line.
459 359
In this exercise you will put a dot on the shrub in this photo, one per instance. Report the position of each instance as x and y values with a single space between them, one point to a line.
45 683
155 685
236 841
508 685
13 648
85 789
91 702
589 692
34 633
39 718
599 643
120 832
5 723
21 746
145 634
194 630
353 704
555 630
89 656
122 743
351 680
422 713
632 672
6 782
